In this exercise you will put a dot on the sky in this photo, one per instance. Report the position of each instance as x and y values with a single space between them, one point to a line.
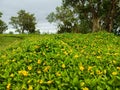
41 8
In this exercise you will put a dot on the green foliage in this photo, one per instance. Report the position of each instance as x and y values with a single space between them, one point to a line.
100 14
3 26
24 22
62 61
65 19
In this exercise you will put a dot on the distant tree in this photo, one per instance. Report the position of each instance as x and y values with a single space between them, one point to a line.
37 31
23 22
11 32
3 25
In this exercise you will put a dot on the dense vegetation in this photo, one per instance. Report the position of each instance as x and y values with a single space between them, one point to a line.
62 62
3 25
86 16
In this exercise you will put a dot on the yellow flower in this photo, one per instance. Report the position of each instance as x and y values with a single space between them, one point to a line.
46 68
114 73
13 60
58 74
81 68
29 67
116 54
30 87
23 72
118 68
40 81
82 84
98 57
98 72
39 61
65 53
76 56
44 63
8 86
28 81
85 88
89 68
104 71
70 51
114 61
92 73
49 82
63 65
43 53
11 75
38 71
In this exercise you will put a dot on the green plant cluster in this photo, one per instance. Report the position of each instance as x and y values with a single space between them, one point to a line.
62 62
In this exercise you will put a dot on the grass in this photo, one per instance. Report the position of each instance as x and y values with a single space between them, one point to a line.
62 61
8 40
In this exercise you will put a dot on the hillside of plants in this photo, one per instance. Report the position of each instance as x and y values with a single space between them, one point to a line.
61 62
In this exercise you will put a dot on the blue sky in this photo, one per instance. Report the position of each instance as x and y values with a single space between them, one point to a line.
41 8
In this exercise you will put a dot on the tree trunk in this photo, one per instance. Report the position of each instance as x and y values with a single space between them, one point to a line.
112 15
96 25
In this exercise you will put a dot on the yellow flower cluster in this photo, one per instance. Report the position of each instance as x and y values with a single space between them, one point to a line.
90 68
65 53
46 68
76 56
39 61
81 67
23 72
58 74
99 72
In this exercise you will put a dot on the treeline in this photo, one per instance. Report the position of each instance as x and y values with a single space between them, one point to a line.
73 16
83 16
23 22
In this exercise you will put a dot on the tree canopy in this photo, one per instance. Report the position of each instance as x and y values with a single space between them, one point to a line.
87 15
3 25
23 22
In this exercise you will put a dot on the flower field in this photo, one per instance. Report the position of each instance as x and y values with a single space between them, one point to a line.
62 62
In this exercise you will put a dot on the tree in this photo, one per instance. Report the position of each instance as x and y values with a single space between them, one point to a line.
95 15
66 20
24 22
3 25
98 11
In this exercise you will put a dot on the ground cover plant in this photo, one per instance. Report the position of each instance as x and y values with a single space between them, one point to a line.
62 62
